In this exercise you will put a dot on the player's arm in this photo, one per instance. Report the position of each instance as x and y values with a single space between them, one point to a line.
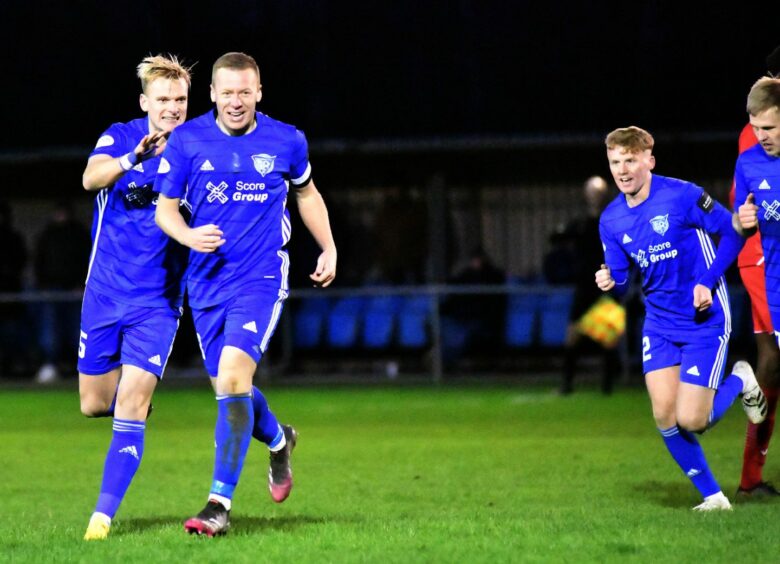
314 214
745 219
103 170
204 239
716 220
613 276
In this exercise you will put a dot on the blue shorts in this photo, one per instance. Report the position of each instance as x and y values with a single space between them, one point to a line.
115 334
246 321
701 357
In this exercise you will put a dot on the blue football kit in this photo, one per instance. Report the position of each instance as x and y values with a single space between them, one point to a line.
240 184
667 237
133 296
758 173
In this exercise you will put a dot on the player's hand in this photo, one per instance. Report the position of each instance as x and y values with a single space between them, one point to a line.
325 272
702 297
205 239
151 145
604 278
748 213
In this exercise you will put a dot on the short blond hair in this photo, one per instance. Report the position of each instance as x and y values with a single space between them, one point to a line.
162 66
634 139
764 95
235 61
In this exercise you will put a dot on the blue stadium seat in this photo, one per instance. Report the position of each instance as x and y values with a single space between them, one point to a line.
521 318
309 322
379 321
554 317
344 322
413 321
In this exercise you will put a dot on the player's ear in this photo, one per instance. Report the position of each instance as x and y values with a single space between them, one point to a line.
144 102
651 162
213 93
259 93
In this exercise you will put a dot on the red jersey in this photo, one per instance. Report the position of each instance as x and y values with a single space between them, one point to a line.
752 254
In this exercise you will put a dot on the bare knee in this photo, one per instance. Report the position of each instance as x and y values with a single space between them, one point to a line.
693 422
664 415
93 405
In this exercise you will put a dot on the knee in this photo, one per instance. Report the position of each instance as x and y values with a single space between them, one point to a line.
693 422
664 416
93 405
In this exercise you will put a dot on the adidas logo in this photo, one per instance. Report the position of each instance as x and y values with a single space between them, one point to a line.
140 168
251 326
693 371
626 238
207 166
693 472
156 360
130 450
764 185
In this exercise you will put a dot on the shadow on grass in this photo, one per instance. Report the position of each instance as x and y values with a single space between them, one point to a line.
238 525
680 495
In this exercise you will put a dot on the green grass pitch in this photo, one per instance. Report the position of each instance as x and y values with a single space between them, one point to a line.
465 474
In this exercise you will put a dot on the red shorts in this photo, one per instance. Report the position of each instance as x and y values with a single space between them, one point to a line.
755 284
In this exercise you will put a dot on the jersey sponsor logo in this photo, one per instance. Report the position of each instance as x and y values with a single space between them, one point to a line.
641 258
764 185
156 360
661 251
770 210
660 223
207 166
251 326
140 196
131 450
104 141
216 192
693 371
264 163
164 167
706 203
626 239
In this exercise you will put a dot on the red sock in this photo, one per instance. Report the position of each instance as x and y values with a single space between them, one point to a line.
757 443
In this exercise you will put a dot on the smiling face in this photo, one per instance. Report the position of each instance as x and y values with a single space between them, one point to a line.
766 126
236 94
165 100
631 171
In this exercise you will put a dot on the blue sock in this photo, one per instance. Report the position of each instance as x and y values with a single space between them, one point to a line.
266 429
688 454
232 434
727 392
122 461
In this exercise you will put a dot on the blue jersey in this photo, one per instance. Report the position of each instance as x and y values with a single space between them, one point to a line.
667 238
132 260
239 184
759 174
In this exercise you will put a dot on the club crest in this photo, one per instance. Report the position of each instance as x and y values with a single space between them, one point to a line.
263 163
660 223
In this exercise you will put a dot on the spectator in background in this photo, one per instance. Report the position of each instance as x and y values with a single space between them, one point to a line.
401 239
473 321
11 270
582 238
61 257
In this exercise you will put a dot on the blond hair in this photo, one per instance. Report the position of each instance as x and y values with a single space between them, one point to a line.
162 66
634 139
764 95
235 61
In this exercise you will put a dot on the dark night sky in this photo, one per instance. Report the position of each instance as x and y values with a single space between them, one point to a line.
346 69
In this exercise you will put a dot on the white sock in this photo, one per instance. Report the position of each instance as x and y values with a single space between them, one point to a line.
225 501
